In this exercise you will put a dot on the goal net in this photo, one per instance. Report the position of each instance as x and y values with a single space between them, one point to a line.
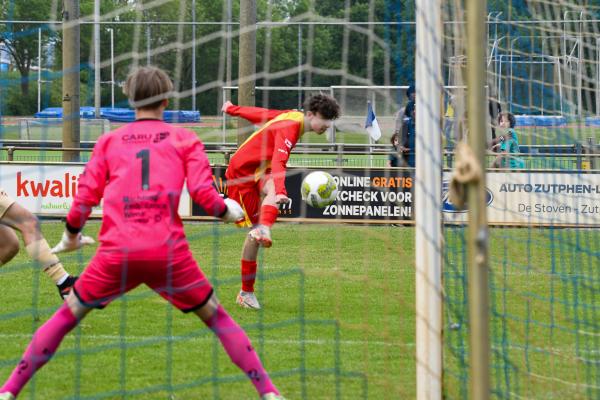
337 289
541 66
50 129
337 316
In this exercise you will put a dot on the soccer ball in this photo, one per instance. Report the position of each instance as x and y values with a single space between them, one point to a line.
319 189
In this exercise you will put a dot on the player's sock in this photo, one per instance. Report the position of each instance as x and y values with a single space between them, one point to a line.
40 252
240 350
248 275
41 348
268 215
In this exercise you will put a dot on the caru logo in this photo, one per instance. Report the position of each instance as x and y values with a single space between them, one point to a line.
447 205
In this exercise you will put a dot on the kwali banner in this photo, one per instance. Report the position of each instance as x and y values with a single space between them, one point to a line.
48 189
364 195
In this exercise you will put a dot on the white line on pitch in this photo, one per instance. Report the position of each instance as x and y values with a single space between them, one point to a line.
129 338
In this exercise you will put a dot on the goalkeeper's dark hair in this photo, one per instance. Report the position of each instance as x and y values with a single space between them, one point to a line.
325 105
146 87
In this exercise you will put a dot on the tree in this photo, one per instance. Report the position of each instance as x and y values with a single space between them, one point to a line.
20 39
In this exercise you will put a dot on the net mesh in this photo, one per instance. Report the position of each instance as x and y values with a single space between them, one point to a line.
339 307
541 66
328 327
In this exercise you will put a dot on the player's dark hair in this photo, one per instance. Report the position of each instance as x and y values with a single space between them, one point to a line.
146 87
325 105
394 137
511 118
411 89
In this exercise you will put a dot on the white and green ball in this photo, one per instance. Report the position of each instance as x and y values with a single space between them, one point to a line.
319 189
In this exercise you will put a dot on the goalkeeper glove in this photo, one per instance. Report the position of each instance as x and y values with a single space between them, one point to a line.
70 243
234 211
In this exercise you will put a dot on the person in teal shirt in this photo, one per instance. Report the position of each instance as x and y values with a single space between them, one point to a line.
508 143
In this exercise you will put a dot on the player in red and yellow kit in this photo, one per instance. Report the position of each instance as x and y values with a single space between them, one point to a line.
256 173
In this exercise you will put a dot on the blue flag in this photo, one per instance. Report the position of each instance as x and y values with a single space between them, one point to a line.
371 124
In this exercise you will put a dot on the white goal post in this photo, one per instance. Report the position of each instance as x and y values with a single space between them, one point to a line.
428 194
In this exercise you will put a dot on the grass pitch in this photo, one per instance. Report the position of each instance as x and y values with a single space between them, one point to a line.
337 321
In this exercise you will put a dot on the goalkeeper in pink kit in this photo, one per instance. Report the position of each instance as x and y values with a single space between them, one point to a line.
139 170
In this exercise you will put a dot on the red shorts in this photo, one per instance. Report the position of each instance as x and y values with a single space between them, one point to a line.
180 281
247 192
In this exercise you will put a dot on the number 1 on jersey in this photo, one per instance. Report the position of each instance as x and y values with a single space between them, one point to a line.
144 154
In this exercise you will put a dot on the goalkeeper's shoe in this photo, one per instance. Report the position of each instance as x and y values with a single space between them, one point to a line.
65 288
247 300
272 396
10 396
262 235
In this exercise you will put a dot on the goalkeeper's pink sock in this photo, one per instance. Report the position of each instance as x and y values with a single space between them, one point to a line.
41 348
240 350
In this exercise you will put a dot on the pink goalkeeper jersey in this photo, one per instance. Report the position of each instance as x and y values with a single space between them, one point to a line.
139 170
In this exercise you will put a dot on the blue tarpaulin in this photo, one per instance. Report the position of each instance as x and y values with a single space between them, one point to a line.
592 121
120 114
540 120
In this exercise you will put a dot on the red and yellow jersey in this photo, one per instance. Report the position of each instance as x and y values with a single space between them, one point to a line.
267 148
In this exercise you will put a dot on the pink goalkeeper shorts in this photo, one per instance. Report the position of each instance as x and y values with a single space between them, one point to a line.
180 281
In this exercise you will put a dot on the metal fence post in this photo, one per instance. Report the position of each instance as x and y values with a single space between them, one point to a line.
579 151
592 152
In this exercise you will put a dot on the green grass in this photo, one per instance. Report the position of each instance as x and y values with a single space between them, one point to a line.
52 132
296 160
557 135
345 309
544 300
528 135
338 318
216 135
206 134
213 134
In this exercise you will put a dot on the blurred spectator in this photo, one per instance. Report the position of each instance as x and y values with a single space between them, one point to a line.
404 129
394 157
405 111
507 144
449 123
407 135
411 92
495 109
